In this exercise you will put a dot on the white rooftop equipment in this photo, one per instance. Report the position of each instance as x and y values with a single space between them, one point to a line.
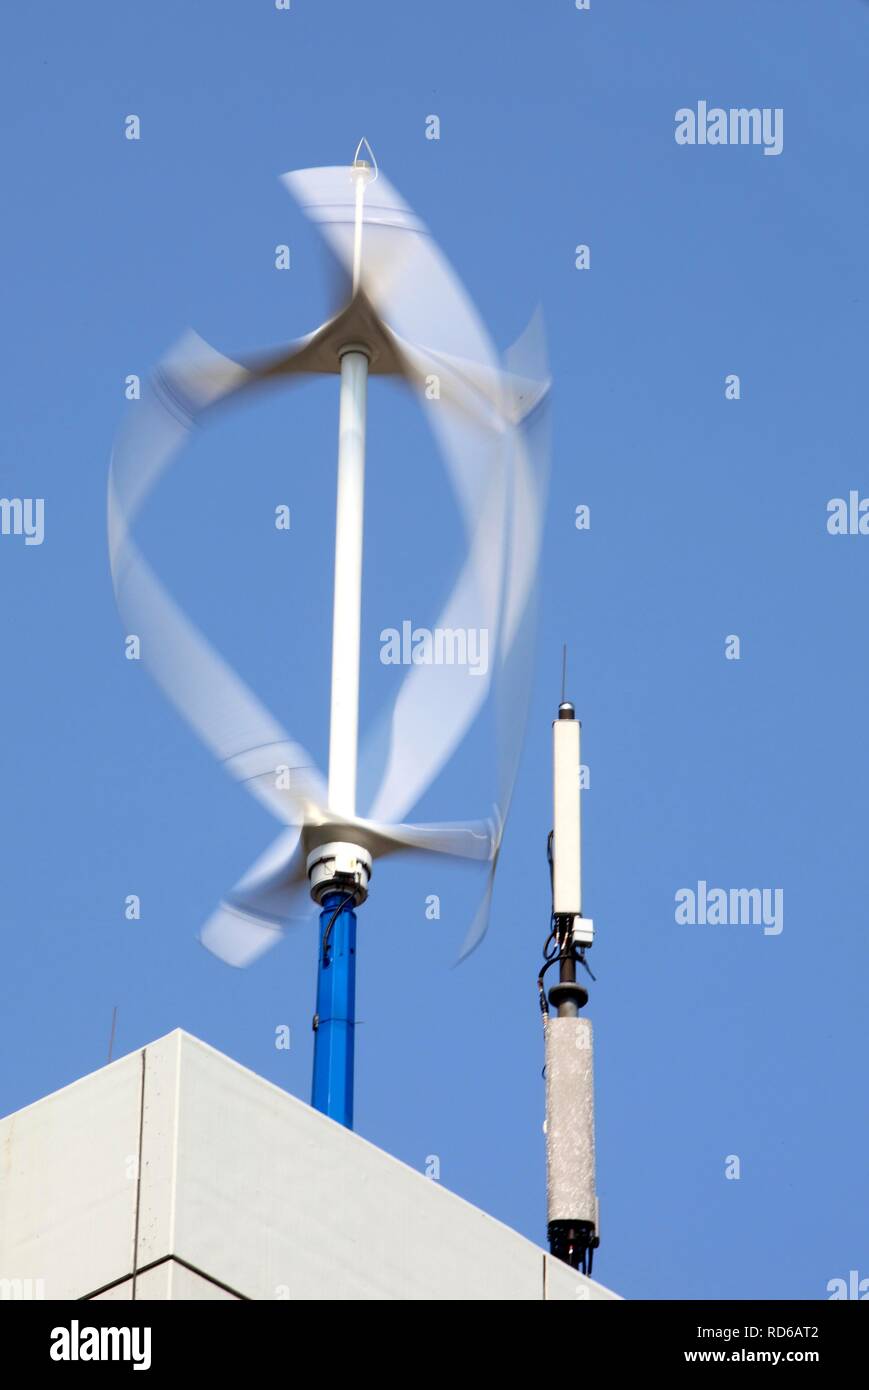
175 1173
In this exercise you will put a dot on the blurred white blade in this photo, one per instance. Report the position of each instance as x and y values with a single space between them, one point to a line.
476 843
480 924
526 362
458 839
500 488
521 395
407 279
191 377
225 713
327 196
435 704
527 386
480 390
237 937
252 918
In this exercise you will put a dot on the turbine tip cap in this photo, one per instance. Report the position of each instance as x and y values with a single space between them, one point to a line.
363 159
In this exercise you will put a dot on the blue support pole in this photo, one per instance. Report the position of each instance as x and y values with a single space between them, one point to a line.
336 1010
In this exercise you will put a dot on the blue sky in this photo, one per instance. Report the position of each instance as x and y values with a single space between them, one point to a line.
708 519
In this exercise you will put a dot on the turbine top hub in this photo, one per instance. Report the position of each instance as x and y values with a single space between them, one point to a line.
339 867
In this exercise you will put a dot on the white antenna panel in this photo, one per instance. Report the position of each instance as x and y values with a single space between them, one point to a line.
566 870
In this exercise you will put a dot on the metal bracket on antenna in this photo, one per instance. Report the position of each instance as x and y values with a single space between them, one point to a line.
582 931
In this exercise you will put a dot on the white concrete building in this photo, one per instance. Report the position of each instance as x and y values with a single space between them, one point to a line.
175 1173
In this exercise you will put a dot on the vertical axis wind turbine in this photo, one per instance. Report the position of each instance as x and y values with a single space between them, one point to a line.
405 314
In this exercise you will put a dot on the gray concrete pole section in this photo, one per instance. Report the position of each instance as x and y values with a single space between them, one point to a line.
570 1121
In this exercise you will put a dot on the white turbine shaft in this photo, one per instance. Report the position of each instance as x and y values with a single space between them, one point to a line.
347 609
360 180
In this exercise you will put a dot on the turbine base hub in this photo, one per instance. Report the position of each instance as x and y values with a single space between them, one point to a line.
339 867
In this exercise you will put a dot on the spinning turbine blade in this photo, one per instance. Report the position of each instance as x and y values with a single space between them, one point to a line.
403 274
228 717
527 406
252 918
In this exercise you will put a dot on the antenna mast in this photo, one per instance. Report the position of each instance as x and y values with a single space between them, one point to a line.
573 1212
